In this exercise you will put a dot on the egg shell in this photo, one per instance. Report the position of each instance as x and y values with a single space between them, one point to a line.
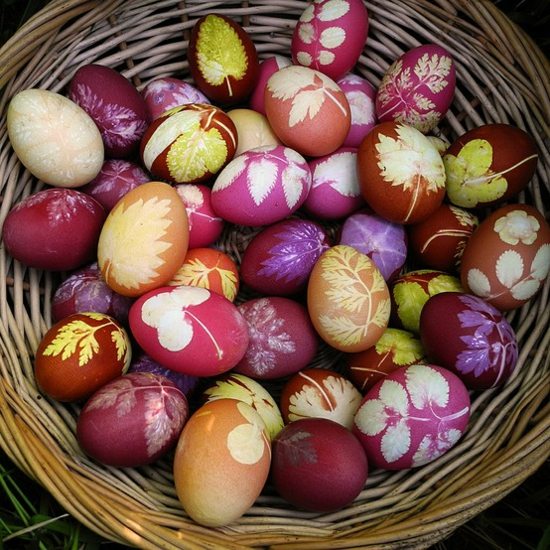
330 36
114 104
347 299
253 130
470 337
221 462
307 110
114 180
489 164
80 354
335 191
401 173
132 421
262 186
85 291
308 473
361 95
412 417
411 290
282 338
247 390
418 88
222 59
35 121
438 242
162 94
144 239
279 259
189 329
320 393
267 67
189 144
211 269
384 242
396 348
205 226
507 259
54 229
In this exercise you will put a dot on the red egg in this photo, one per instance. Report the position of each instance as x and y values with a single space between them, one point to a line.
222 59
54 229
318 465
80 354
132 421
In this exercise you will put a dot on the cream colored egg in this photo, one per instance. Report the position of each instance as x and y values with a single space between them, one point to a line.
54 138
253 130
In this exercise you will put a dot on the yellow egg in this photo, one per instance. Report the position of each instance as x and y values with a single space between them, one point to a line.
253 130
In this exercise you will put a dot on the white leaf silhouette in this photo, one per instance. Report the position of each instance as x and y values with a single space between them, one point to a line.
396 441
261 178
371 418
306 103
509 268
307 14
108 396
333 9
340 172
431 448
332 37
362 107
426 387
304 59
541 263
325 57
479 283
306 32
526 289
287 82
291 180
159 426
231 172
293 156
246 442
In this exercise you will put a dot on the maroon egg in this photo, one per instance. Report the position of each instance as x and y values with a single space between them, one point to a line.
470 337
85 290
115 106
54 229
132 421
318 465
282 338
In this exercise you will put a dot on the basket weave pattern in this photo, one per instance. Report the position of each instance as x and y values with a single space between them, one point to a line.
501 77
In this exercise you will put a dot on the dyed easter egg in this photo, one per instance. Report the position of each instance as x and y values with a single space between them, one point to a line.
36 119
361 95
222 461
132 421
438 242
211 269
189 329
267 67
401 173
507 259
412 417
396 348
162 94
205 226
115 106
261 186
489 164
114 180
309 473
348 299
144 239
335 191
80 354
470 337
418 88
307 110
282 338
330 36
54 229
222 59
279 259
319 393
189 144
384 242
253 130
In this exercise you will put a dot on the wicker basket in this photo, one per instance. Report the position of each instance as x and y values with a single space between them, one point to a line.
502 77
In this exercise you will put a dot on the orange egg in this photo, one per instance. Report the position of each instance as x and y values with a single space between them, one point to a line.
144 239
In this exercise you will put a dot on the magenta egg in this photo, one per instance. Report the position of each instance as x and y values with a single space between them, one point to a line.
267 68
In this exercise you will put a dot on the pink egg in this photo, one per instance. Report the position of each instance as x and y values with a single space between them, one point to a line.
56 229
412 416
115 179
282 338
418 88
115 106
189 329
267 68
361 96
330 36
262 186
335 191
165 93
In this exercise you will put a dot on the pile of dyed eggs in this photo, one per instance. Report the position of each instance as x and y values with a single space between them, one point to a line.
172 333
